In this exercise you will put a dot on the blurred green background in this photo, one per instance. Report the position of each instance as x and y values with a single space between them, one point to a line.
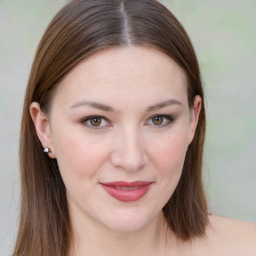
224 35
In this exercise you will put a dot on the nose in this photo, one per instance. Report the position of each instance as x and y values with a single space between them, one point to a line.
129 153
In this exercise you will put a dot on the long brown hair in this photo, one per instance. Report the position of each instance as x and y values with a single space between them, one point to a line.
81 28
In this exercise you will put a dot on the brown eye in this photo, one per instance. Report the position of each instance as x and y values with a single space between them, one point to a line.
157 120
95 121
160 120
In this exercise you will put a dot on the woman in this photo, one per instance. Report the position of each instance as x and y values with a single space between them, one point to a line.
112 139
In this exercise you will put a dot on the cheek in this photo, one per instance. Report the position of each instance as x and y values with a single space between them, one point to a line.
78 156
170 152
168 158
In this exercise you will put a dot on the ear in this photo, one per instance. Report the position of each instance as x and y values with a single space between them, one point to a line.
194 116
42 127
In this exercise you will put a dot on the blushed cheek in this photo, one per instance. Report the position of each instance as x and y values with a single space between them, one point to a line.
80 157
170 155
171 159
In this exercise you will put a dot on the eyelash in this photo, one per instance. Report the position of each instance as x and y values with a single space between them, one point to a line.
167 120
86 121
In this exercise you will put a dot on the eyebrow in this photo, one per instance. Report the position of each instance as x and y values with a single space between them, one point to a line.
93 105
107 108
163 104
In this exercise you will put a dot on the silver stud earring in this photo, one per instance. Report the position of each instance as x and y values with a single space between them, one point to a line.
47 150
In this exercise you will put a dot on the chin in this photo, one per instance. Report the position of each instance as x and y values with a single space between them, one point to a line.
131 221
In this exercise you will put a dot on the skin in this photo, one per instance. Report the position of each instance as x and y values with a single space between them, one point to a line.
127 143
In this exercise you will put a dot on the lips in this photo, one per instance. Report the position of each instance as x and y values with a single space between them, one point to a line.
127 191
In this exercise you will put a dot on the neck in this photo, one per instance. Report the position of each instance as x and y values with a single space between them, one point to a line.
91 239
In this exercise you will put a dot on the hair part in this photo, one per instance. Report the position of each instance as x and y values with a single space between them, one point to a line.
80 29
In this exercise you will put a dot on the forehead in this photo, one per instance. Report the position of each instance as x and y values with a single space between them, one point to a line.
124 73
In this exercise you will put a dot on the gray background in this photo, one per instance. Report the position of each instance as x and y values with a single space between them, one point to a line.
224 35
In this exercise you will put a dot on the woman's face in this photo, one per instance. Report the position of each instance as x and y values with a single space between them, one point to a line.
119 128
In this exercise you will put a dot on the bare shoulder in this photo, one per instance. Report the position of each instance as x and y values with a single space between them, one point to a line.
230 237
223 236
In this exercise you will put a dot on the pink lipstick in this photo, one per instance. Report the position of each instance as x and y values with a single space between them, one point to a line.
127 191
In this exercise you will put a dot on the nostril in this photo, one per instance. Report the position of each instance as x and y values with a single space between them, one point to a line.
129 152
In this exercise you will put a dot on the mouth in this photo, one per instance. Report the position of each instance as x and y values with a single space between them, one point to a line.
127 191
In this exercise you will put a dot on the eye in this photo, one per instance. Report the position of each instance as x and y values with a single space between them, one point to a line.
95 122
160 120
